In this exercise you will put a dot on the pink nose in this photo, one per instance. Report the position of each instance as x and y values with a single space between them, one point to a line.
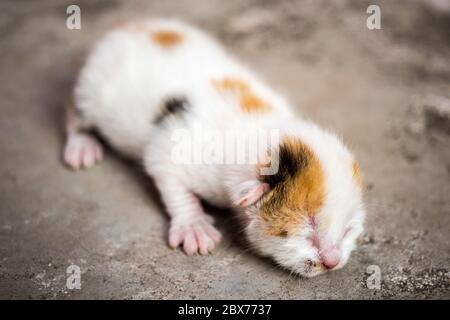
330 257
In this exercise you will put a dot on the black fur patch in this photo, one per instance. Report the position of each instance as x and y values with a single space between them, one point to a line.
292 160
172 106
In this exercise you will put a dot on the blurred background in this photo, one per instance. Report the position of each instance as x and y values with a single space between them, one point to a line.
386 92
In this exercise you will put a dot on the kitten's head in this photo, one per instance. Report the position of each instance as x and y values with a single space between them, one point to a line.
309 213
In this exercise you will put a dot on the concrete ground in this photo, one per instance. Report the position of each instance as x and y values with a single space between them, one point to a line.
367 85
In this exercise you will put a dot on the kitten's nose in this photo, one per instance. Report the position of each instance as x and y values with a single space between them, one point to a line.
330 257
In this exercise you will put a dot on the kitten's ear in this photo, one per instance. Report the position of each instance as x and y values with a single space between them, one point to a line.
249 192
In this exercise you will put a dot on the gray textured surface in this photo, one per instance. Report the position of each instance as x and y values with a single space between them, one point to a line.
107 220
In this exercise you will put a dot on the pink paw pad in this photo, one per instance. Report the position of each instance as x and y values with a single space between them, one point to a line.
82 151
196 236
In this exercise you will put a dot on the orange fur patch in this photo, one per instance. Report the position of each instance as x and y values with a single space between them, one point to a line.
297 190
164 38
248 100
357 173
167 38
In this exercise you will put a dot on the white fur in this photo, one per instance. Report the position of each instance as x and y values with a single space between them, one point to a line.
120 92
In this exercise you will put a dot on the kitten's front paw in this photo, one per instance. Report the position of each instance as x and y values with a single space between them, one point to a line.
82 150
196 235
